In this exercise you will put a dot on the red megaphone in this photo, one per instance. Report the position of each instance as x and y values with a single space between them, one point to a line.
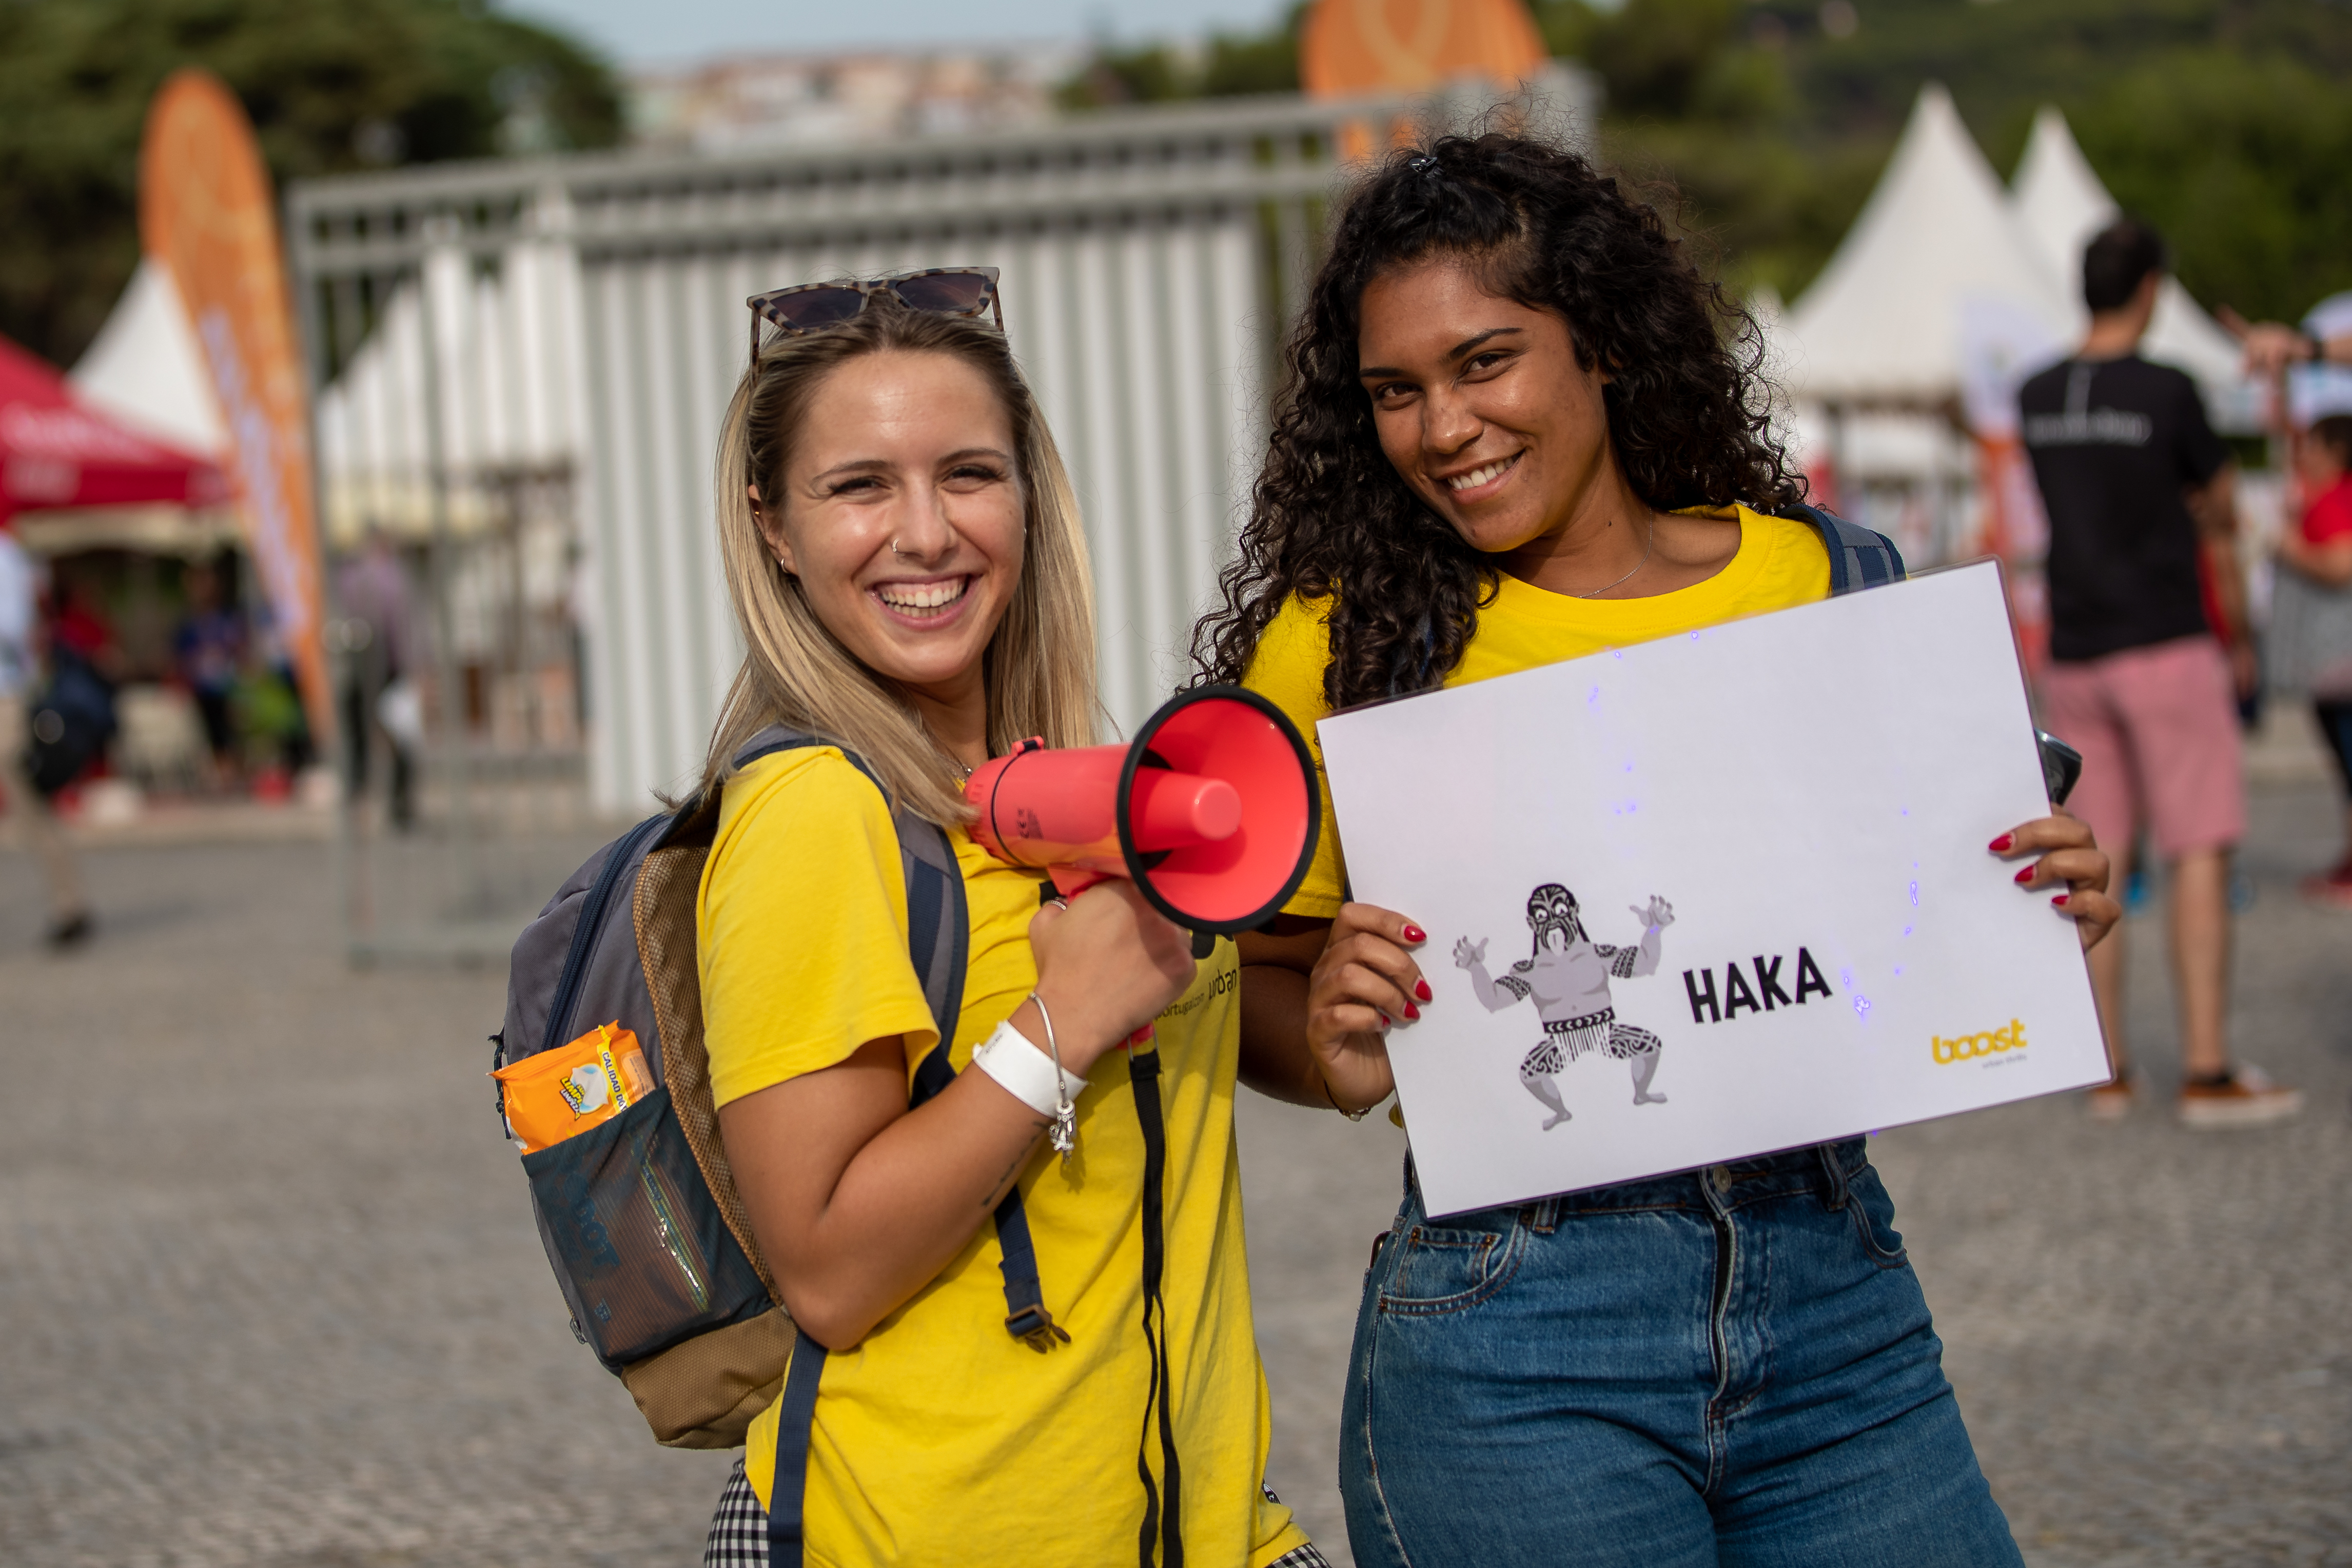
1212 811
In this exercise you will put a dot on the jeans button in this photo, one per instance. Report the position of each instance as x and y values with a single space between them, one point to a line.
1721 1176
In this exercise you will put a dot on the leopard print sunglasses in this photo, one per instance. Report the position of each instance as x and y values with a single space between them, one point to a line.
814 307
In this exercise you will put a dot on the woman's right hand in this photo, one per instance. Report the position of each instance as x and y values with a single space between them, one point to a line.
1108 964
1366 978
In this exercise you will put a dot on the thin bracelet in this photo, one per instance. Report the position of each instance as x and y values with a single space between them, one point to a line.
1065 1136
1334 1100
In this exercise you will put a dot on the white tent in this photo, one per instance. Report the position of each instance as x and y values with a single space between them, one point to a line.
2061 203
502 402
1936 290
145 368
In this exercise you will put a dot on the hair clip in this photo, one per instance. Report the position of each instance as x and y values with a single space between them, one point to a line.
1423 164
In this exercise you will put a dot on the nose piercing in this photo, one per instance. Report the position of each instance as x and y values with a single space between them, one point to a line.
894 547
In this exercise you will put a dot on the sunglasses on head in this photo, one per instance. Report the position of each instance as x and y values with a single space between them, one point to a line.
813 307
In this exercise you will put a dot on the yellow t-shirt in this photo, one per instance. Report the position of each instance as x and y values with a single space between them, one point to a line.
1779 563
941 1440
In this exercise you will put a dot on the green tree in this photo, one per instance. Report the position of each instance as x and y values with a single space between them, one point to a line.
1239 63
330 88
1655 55
2245 165
1230 66
2222 121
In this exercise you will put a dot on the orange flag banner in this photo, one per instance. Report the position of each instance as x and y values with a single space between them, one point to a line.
1374 45
205 212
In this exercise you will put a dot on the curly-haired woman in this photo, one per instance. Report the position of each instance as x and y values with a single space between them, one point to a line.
907 569
1518 426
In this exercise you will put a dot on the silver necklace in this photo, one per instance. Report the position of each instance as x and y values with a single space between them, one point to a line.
1620 581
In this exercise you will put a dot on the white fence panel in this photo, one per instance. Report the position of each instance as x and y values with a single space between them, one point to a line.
588 313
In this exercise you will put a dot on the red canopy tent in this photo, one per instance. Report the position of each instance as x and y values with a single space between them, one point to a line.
55 451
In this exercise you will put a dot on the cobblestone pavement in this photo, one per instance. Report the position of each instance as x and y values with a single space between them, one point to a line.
269 1296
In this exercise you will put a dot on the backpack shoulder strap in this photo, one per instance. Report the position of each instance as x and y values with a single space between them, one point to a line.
939 931
938 940
1859 557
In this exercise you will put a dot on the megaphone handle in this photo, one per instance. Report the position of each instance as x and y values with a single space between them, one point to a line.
1071 880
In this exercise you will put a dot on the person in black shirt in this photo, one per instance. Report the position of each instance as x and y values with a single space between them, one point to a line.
2140 497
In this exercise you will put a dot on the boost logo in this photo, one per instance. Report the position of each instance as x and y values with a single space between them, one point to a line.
1968 1047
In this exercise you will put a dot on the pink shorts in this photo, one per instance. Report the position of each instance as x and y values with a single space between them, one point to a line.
2157 729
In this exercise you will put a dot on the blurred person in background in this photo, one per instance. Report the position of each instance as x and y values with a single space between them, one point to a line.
2140 494
2323 337
270 697
27 812
2319 549
80 627
372 591
208 648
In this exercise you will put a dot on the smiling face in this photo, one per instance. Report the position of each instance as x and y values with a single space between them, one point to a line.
1481 405
915 451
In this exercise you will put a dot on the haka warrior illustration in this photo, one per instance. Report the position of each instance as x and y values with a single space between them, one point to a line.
1569 976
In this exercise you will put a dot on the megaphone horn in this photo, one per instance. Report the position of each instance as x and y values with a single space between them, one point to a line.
1212 810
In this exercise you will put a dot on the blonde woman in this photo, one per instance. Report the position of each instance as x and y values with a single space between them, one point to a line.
905 562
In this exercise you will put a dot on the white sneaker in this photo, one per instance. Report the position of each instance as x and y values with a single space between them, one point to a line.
2247 1097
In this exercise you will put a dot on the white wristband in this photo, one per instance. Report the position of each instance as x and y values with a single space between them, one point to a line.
1024 1070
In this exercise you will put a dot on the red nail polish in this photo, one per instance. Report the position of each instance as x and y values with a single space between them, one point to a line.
1415 933
1420 989
2025 875
1411 1011
1386 1020
2000 844
2060 901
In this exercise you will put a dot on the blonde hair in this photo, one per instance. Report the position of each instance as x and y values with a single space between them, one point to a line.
1038 667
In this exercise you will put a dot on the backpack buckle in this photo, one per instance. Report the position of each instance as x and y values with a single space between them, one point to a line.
1034 1327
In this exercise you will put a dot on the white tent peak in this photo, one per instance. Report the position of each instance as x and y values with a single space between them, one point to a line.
2058 197
1939 241
145 367
2063 205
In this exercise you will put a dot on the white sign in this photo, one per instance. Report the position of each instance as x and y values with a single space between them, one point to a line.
1716 895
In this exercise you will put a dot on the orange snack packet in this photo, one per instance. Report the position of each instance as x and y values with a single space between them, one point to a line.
557 1093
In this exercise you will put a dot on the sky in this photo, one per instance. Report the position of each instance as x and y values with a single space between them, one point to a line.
650 32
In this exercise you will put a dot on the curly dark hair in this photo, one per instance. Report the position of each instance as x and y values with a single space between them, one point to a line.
1687 405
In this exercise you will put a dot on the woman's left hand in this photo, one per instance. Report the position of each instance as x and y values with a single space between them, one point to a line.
2064 851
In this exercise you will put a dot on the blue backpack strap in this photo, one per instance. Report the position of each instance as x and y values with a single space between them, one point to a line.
939 938
1859 557
788 1491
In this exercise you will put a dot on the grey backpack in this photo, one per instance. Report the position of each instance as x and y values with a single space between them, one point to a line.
640 1215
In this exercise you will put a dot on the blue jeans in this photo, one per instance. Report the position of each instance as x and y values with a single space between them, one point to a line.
1731 1366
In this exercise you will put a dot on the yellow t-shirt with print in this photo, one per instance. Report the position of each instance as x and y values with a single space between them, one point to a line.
1779 564
941 1440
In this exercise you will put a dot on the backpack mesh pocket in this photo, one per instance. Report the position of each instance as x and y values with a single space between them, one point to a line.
641 1251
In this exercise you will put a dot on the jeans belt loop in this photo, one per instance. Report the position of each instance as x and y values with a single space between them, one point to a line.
1835 1170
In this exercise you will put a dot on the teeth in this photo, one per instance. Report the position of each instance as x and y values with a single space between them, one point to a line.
1479 476
917 597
